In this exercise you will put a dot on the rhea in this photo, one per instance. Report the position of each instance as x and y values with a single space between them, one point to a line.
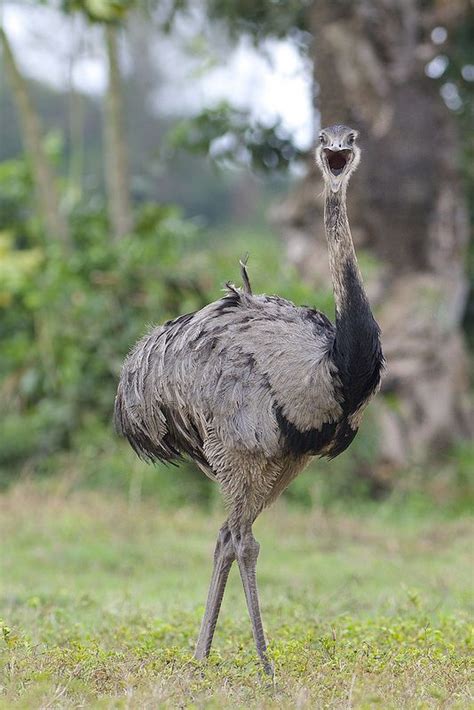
251 387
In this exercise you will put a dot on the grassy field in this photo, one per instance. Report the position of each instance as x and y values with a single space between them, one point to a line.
101 603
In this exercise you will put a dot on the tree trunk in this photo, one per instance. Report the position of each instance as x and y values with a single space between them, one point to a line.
76 113
43 176
116 158
407 210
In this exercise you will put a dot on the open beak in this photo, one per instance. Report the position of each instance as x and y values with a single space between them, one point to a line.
336 161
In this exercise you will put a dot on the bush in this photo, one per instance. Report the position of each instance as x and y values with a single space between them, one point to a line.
67 323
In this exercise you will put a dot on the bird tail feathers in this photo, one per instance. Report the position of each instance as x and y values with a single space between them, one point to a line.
247 288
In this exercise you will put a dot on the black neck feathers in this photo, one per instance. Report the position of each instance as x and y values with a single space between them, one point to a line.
357 351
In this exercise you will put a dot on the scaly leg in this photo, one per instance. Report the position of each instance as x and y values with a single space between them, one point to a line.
223 558
246 551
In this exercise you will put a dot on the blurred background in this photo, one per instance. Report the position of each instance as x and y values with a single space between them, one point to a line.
146 146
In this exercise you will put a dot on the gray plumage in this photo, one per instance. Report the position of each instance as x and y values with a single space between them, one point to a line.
209 384
252 386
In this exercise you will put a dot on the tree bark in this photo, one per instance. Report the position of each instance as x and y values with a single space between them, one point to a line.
43 175
116 157
407 210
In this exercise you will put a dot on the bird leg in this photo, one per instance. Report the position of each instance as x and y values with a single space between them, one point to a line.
246 551
224 556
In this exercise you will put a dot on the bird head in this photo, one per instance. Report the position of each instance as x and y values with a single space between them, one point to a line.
337 155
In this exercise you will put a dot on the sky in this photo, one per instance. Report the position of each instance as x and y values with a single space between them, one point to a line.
60 51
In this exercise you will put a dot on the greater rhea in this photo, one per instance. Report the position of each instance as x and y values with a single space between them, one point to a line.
252 387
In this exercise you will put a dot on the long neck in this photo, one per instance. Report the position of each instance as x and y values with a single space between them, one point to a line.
356 352
345 272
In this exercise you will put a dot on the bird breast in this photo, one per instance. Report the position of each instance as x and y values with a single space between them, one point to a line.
245 364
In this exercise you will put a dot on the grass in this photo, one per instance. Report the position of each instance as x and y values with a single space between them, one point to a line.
101 603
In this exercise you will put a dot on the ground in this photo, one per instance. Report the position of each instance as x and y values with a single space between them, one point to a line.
101 604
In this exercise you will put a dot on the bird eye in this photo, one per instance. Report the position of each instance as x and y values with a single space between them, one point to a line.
351 138
321 138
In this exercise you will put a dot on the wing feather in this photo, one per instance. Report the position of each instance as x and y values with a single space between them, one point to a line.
225 370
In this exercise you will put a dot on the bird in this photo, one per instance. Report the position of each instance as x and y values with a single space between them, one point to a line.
252 387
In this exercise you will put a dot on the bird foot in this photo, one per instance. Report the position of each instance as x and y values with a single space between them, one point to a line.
269 670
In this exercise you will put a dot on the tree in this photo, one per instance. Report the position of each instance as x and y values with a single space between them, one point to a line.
45 181
110 15
116 154
408 206
409 210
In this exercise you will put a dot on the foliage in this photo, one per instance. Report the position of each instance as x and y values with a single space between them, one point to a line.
229 135
100 605
263 18
67 324
100 10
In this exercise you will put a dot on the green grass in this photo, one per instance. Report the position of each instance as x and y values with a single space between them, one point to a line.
101 604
